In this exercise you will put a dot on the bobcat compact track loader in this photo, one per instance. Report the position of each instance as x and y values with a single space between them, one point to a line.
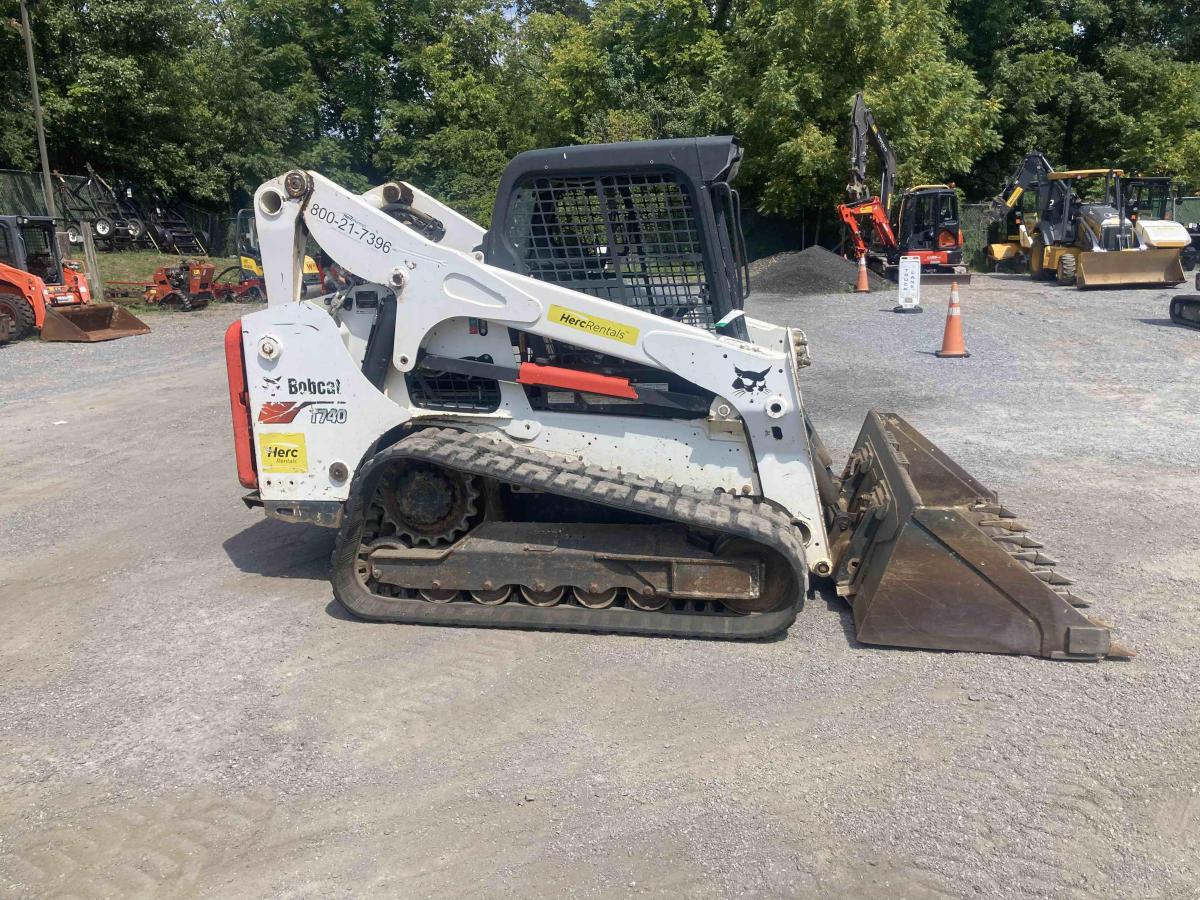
567 422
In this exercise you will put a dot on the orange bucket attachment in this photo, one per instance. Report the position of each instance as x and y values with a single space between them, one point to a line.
91 322
927 557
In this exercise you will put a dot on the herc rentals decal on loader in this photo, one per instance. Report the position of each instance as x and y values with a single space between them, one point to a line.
568 422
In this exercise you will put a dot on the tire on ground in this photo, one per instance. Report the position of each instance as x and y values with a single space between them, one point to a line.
1066 269
1037 253
21 312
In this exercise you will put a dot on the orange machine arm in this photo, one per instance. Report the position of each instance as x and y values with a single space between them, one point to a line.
873 209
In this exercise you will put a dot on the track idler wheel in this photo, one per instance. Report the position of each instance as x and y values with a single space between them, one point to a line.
775 584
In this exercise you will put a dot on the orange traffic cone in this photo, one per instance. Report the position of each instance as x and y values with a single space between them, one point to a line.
864 285
952 338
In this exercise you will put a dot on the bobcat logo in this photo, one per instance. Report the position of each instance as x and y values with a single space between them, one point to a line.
749 382
271 385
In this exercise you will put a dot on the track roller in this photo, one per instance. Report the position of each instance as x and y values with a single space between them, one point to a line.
551 597
596 599
493 597
648 601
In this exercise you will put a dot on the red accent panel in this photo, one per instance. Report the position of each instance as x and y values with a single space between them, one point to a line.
281 413
571 379
239 404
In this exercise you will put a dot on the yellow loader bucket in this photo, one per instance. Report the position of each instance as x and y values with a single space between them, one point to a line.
927 557
1128 268
91 322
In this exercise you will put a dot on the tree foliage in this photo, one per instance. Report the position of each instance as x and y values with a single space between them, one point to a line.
207 98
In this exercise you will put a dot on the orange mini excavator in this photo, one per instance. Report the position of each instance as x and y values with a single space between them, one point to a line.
925 223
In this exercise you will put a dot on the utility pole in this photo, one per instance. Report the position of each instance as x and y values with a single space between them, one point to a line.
47 187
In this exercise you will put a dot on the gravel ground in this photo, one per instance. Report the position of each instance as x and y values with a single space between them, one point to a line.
184 712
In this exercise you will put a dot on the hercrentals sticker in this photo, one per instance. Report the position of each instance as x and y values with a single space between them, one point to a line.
604 328
282 453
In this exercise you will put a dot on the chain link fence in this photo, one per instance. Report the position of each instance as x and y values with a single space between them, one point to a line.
78 198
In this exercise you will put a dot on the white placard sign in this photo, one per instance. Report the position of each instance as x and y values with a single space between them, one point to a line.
909 284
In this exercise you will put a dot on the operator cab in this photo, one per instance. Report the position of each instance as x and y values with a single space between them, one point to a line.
29 244
928 220
654 225
1147 197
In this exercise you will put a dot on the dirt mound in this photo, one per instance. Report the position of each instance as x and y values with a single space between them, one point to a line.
812 271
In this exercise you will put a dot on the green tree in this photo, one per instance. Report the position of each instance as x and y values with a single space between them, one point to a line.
793 69
1090 83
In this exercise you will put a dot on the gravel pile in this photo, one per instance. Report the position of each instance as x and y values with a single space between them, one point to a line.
812 271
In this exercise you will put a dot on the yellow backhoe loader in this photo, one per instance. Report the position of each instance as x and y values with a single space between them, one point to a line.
1090 233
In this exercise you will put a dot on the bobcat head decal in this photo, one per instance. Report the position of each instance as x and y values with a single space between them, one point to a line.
747 382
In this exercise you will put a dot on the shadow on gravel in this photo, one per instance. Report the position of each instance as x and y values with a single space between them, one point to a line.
826 591
835 604
1161 323
335 610
282 550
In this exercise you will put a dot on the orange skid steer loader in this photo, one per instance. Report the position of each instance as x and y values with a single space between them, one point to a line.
39 291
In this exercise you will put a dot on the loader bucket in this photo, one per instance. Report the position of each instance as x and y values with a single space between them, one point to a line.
91 322
1118 268
927 557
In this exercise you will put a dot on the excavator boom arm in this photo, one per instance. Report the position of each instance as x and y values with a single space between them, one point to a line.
1034 167
865 135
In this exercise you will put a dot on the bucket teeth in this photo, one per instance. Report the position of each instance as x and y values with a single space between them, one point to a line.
1018 539
1074 599
1033 556
1051 577
1119 651
1002 522
995 509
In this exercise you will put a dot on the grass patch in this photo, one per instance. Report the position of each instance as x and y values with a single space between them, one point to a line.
139 265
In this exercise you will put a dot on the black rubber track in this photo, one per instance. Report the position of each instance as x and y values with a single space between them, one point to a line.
513 464
1190 302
